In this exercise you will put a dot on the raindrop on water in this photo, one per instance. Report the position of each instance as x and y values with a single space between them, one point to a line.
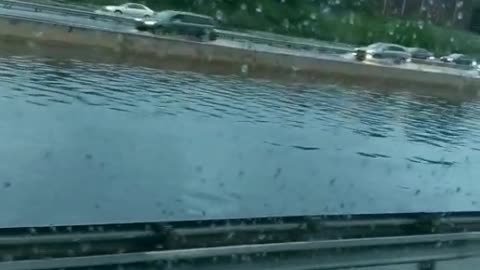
332 181
7 185
278 172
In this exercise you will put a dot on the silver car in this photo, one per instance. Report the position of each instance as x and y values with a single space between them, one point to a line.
133 10
397 53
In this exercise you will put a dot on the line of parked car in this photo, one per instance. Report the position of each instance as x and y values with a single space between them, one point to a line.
194 25
400 54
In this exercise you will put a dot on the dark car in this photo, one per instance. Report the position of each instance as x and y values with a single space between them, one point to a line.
459 59
420 53
182 23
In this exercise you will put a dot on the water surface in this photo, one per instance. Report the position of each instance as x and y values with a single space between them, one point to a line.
99 143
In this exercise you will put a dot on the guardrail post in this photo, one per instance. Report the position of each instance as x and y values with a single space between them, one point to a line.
428 265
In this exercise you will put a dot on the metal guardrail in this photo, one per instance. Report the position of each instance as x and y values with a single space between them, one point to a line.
282 43
68 10
62 4
437 63
289 243
37 7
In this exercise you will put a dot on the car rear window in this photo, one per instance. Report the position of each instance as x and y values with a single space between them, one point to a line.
195 19
136 6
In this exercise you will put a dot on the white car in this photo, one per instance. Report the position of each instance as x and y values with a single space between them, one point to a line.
129 9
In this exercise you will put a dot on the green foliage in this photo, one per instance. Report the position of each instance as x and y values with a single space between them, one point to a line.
356 22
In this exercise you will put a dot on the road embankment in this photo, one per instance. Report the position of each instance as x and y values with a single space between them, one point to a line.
218 58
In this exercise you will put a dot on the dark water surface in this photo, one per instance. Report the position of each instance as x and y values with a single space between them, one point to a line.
99 143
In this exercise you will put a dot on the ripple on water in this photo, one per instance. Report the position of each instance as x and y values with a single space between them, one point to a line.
425 120
365 129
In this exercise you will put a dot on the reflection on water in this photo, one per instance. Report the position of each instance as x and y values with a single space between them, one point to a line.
105 143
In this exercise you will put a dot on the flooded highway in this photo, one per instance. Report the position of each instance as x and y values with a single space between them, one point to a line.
87 142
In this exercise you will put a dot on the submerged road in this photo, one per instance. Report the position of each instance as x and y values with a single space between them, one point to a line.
103 143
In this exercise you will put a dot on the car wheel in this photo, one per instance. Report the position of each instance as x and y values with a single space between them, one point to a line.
400 61
212 36
199 34
360 56
146 17
158 31
206 35
118 12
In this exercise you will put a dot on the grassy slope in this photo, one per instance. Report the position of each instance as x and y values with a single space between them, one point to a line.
344 22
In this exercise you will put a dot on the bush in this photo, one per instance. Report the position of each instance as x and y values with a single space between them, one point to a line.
342 21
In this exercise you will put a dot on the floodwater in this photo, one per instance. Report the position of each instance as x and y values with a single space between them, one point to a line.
99 143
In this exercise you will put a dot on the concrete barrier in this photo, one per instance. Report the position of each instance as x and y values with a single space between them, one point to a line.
232 59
